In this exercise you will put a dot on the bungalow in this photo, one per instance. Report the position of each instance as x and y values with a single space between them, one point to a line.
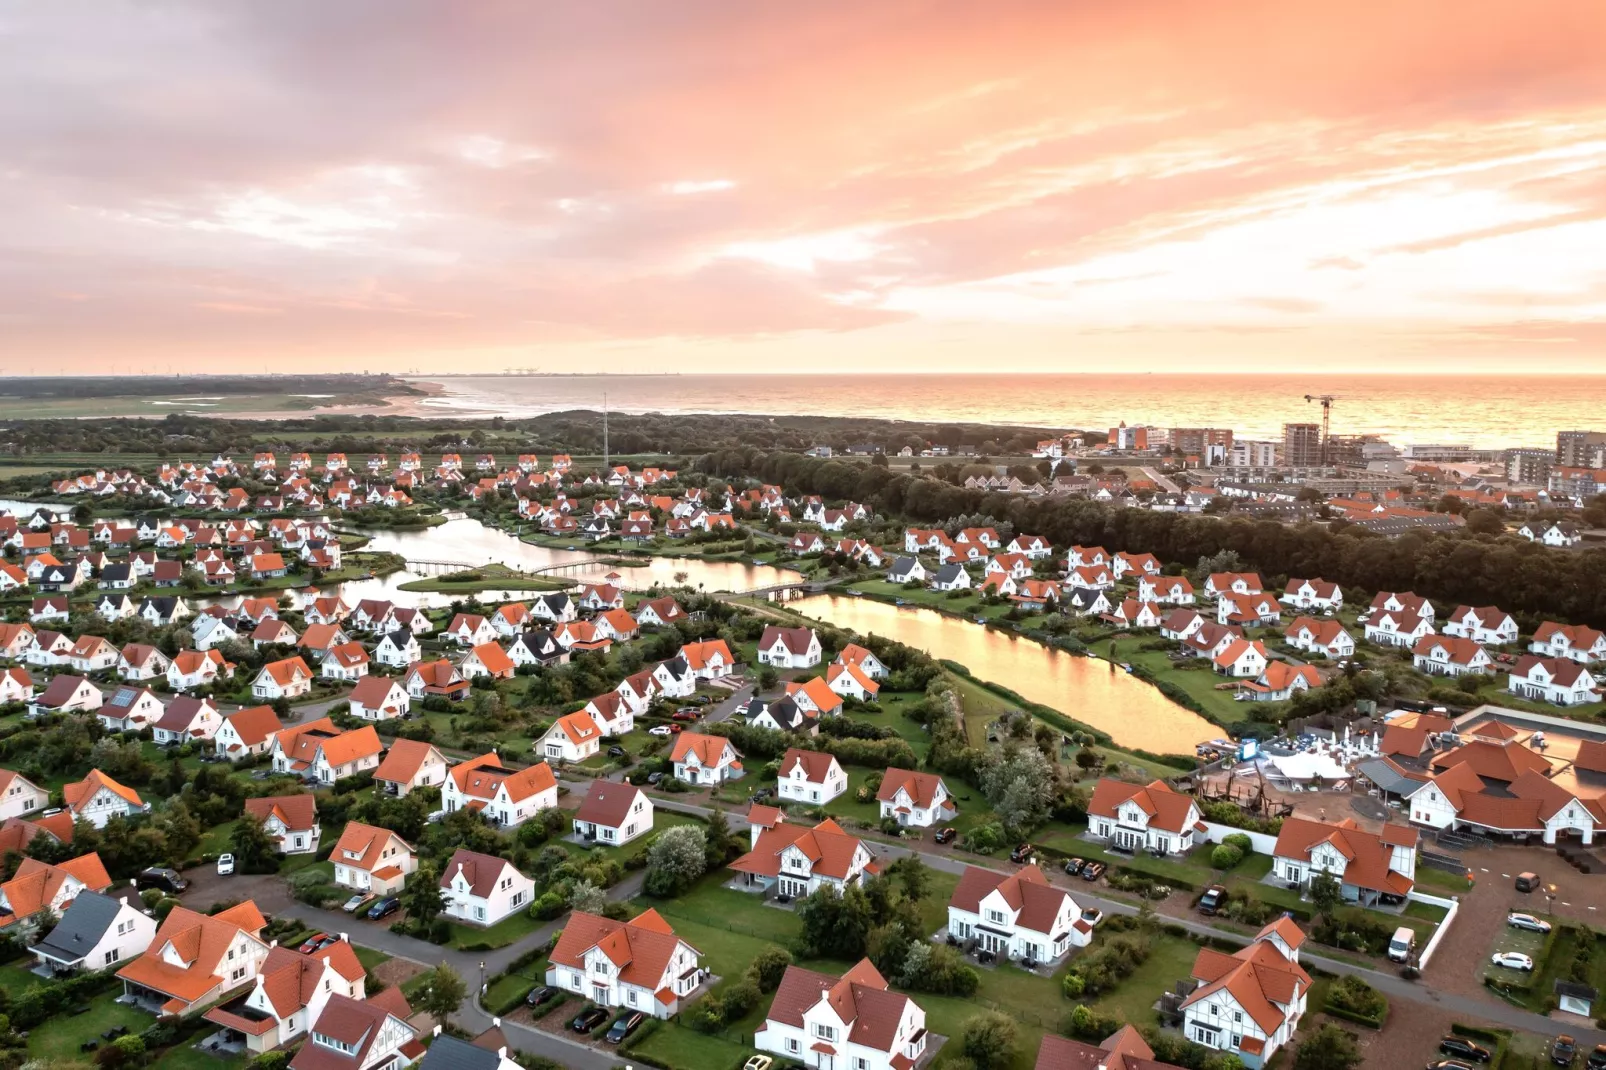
1241 657
1325 637
1124 1049
1313 594
1248 610
290 820
1397 627
906 570
291 993
191 669
858 1017
45 609
40 890
67 694
1557 681
19 795
373 615
379 698
196 958
141 661
267 566
507 797
1086 602
673 679
509 619
96 931
1137 817
92 653
1249 1003
372 860
1018 916
782 715
1033 546
789 648
288 678
98 798
851 681
600 596
658 612
210 631
396 649
1132 613
1562 533
489 660
1015 566
572 738
807 543
617 625
161 610
16 685
1083 556
1278 682
438 677
15 639
410 764
1574 642
1166 590
319 639
247 732
815 696
700 759
711 658
556 608
950 577
1135 565
1220 583
864 660
795 861
470 629
537 647
613 814
319 751
911 798
1368 865
348 661
482 889
186 720
1449 655
273 632
129 709
808 776
1482 624
631 965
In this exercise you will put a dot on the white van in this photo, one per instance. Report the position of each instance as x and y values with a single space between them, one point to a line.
1403 944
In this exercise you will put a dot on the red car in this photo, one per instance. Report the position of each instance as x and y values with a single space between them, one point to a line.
314 942
683 715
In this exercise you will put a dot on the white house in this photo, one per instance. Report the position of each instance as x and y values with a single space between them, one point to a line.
247 732
700 759
19 795
187 720
1449 655
1571 641
483 889
1325 637
638 964
470 629
789 648
397 649
572 738
1249 1003
1313 594
129 709
379 698
1488 625
292 820
194 958
96 932
410 764
67 694
1137 817
1166 590
867 662
1557 681
1018 916
290 993
906 570
911 798
851 681
288 678
348 661
950 577
507 797
613 813
98 798
319 751
1242 657
855 1021
191 669
1503 788
1367 865
709 659
366 1034
372 860
794 861
809 776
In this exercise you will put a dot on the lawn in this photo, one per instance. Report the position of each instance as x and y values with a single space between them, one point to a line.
56 1040
672 1044
369 957
185 1057
503 933
661 819
1528 943
491 577
15 977
1133 1000
1200 684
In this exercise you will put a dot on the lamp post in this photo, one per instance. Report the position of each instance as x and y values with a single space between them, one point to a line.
482 977
1550 899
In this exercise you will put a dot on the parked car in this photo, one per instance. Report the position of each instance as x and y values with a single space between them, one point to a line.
225 865
1092 916
1449 1064
1527 882
588 1019
623 1026
758 1062
436 816
685 715
1021 853
616 752
1512 960
350 906
315 942
660 730
384 908
162 878
1463 1048
762 795
1527 921
699 700
1073 866
540 994
1213 899
1563 1050
945 835
1597 1058
653 778
1093 871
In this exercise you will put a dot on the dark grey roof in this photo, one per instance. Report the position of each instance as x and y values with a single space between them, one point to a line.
783 712
902 566
400 637
949 572
126 696
557 601
164 604
448 1053
1386 777
81 926
114 572
1082 597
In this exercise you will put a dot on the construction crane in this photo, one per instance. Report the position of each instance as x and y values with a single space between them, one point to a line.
1327 415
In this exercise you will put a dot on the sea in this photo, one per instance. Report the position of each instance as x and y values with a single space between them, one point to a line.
1480 411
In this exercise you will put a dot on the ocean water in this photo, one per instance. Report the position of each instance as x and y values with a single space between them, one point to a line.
1485 412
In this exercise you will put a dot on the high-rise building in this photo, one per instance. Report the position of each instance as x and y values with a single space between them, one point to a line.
1197 441
1529 465
1581 449
1302 445
1247 453
1129 438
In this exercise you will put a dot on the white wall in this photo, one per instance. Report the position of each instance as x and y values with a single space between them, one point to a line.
1263 843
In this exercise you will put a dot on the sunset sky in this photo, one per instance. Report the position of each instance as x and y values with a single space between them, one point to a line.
472 185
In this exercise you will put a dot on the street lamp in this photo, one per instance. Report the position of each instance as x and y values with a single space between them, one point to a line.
482 977
1550 899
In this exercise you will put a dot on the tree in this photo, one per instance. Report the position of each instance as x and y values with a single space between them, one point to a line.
587 898
913 875
421 896
1329 1048
769 966
1326 893
1020 783
836 925
676 858
253 849
989 1040
721 844
441 994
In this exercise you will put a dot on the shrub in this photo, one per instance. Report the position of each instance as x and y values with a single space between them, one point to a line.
1226 856
768 966
1241 841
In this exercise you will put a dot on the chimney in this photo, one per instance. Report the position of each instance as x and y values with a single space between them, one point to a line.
496 1023
344 938
437 1031
274 942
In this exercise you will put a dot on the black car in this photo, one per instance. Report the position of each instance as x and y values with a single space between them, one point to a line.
1021 853
1597 1058
1563 1050
1214 898
762 795
1093 871
161 877
945 835
540 994
1463 1048
1073 866
384 908
616 752
588 1019
625 1025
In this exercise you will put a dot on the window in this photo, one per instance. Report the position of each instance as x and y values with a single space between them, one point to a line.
1237 1016
792 1045
824 1032
997 916
111 956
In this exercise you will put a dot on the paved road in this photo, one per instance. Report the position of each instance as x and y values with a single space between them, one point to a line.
1164 482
